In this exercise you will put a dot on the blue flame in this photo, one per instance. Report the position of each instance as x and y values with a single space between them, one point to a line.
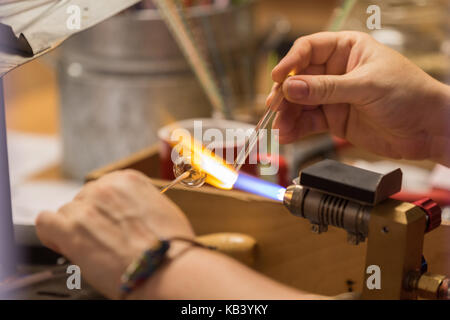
260 187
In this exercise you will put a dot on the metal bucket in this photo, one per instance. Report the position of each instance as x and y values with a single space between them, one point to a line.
125 78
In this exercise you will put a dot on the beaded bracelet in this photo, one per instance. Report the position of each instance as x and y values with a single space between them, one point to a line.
143 267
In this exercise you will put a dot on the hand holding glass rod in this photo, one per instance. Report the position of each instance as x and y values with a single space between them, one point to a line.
270 112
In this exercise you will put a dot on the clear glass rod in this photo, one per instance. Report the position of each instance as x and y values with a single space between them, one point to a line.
251 142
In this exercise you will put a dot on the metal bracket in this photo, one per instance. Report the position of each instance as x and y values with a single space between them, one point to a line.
7 246
348 182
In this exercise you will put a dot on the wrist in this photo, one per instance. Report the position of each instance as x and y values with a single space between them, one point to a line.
180 262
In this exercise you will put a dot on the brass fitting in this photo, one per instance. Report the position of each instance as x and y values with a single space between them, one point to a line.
428 285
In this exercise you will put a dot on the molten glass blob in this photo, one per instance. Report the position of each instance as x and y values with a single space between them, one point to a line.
196 177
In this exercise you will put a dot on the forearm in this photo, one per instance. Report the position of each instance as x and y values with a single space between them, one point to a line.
203 274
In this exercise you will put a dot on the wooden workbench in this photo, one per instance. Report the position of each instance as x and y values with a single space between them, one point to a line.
32 106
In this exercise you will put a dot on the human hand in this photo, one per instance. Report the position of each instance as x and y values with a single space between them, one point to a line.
111 222
357 89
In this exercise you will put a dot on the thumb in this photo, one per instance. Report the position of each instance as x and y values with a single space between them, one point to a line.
322 89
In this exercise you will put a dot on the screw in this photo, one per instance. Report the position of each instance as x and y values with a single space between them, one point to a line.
318 228
350 283
352 238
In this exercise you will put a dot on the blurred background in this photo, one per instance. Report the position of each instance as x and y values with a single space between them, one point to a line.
105 92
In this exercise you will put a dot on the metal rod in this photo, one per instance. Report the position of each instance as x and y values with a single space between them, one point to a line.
7 247
182 35
180 178
340 15
28 280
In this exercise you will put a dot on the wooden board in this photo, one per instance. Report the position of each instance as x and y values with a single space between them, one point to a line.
287 250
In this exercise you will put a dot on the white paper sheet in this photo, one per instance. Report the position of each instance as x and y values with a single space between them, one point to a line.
29 154
33 197
41 25
440 177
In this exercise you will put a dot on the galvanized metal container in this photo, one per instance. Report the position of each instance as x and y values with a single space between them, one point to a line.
125 78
